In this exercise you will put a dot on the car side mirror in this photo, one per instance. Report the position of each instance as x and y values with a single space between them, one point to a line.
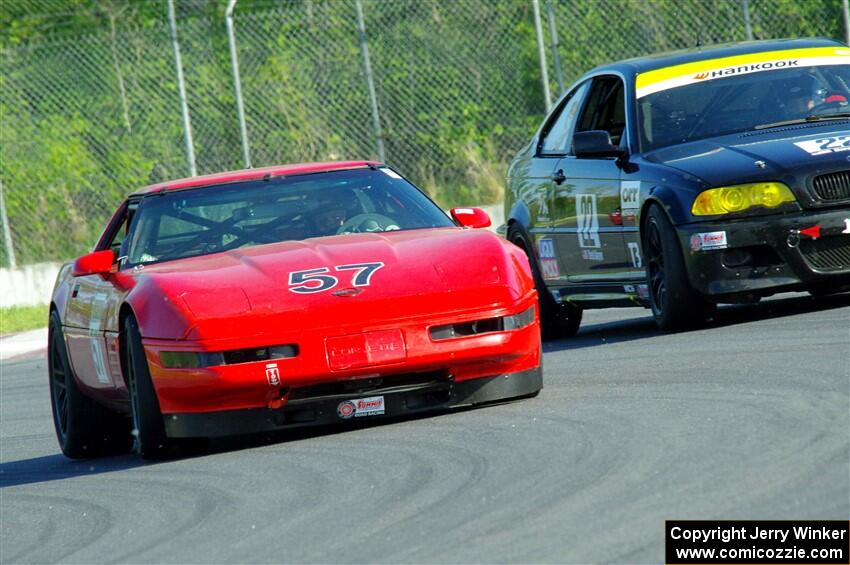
595 143
97 263
471 217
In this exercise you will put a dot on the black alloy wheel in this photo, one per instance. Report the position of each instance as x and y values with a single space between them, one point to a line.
675 304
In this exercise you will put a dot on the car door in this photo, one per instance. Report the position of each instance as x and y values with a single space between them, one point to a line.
539 181
91 333
586 213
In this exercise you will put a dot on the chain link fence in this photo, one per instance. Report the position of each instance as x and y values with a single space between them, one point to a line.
84 120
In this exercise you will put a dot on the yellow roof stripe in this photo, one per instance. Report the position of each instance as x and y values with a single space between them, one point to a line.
650 78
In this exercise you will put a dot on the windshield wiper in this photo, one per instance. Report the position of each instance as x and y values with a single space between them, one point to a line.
806 120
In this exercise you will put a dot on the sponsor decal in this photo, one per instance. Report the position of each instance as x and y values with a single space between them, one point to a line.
629 288
588 221
372 406
846 225
629 196
592 255
542 207
699 71
643 291
745 69
548 260
634 253
825 145
272 374
708 240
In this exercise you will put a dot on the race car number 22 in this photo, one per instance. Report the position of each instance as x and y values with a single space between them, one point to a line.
319 280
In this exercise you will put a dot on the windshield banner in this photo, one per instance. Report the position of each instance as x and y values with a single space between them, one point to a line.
701 71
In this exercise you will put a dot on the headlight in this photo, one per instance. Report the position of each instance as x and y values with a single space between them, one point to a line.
728 199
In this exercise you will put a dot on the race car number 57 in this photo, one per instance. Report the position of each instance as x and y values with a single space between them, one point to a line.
317 280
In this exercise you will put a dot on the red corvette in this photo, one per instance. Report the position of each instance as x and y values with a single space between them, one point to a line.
280 297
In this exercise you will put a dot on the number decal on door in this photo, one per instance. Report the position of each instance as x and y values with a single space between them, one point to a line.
587 220
318 280
634 253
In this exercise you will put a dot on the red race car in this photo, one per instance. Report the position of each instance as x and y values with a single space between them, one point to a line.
287 296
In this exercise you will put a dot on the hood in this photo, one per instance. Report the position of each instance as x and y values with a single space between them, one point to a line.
787 153
336 282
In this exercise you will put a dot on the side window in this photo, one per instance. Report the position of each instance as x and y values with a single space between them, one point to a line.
606 108
558 138
119 235
115 232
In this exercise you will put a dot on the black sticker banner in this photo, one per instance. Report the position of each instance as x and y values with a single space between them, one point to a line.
696 542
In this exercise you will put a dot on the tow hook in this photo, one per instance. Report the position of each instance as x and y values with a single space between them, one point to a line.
793 239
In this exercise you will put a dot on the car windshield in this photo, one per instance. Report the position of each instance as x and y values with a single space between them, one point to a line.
741 102
188 223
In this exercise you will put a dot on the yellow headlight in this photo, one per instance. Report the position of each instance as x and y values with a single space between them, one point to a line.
728 199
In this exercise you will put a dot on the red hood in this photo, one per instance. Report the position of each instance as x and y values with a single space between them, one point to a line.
247 291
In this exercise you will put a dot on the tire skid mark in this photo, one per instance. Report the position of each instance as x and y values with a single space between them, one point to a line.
71 522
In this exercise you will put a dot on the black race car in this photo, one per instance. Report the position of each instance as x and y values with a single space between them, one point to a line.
683 180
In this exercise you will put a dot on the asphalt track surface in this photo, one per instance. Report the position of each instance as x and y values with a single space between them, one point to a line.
749 418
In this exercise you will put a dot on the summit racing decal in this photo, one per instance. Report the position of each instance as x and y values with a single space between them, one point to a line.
667 78
709 240
372 406
825 145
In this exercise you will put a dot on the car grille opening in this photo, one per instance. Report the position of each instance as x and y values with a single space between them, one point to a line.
236 356
827 254
432 380
832 187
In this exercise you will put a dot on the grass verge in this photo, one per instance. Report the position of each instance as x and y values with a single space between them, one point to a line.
20 318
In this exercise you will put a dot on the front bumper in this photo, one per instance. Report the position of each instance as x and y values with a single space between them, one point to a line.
438 395
248 385
765 255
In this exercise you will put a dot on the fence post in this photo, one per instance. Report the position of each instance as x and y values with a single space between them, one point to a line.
541 52
846 6
181 88
556 56
237 83
7 231
745 6
370 81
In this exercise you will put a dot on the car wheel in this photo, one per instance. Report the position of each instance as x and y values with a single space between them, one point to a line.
674 302
556 320
84 428
150 440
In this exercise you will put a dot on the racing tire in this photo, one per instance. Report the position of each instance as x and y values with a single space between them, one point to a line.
150 439
556 320
675 304
84 428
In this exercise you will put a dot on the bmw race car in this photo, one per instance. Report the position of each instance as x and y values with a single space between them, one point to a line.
288 296
683 180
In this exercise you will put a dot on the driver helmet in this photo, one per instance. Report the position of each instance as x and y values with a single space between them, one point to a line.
335 207
809 93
